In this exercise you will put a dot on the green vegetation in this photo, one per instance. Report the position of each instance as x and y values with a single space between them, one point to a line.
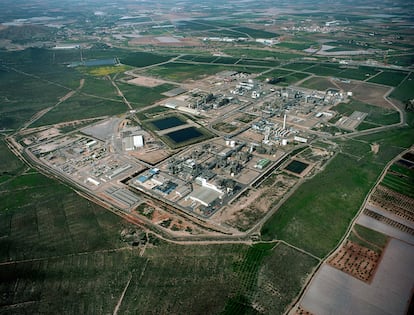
399 183
224 127
261 53
255 33
10 165
317 215
376 114
80 107
179 72
281 277
318 83
144 59
296 45
405 91
358 73
275 74
325 70
368 238
391 78
300 66
141 96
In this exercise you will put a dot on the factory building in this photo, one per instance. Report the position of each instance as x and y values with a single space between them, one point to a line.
132 142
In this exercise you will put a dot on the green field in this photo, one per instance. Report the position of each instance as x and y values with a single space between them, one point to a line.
144 59
318 83
358 73
324 70
376 115
300 66
261 54
23 95
400 179
283 272
405 91
391 78
368 238
255 33
275 74
80 107
180 72
316 216
141 96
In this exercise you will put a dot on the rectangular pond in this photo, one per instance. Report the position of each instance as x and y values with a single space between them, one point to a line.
184 135
297 167
167 123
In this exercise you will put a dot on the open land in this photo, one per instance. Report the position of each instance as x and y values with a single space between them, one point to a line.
216 159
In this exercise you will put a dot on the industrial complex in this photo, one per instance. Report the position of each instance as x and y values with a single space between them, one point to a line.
201 150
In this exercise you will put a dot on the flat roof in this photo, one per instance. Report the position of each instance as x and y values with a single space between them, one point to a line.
204 195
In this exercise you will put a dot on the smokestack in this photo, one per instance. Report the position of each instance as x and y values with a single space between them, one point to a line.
284 122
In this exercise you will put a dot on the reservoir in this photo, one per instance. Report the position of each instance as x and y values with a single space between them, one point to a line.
167 123
297 167
184 135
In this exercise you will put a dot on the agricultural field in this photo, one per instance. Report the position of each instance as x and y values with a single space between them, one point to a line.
405 91
399 182
317 214
17 89
10 165
81 107
358 73
144 59
261 54
180 72
299 66
324 70
318 83
280 278
140 96
377 116
391 78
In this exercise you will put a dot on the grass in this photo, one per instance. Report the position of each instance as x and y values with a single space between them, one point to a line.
405 91
324 70
180 72
140 96
391 78
318 83
300 66
144 59
261 54
224 127
255 33
281 277
17 89
177 276
401 184
359 73
40 218
368 238
104 71
376 114
81 107
316 216
275 74
10 165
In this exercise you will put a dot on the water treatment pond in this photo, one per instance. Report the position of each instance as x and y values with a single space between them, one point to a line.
184 135
167 123
297 167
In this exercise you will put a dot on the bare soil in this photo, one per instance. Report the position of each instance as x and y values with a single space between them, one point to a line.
145 81
355 260
368 93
